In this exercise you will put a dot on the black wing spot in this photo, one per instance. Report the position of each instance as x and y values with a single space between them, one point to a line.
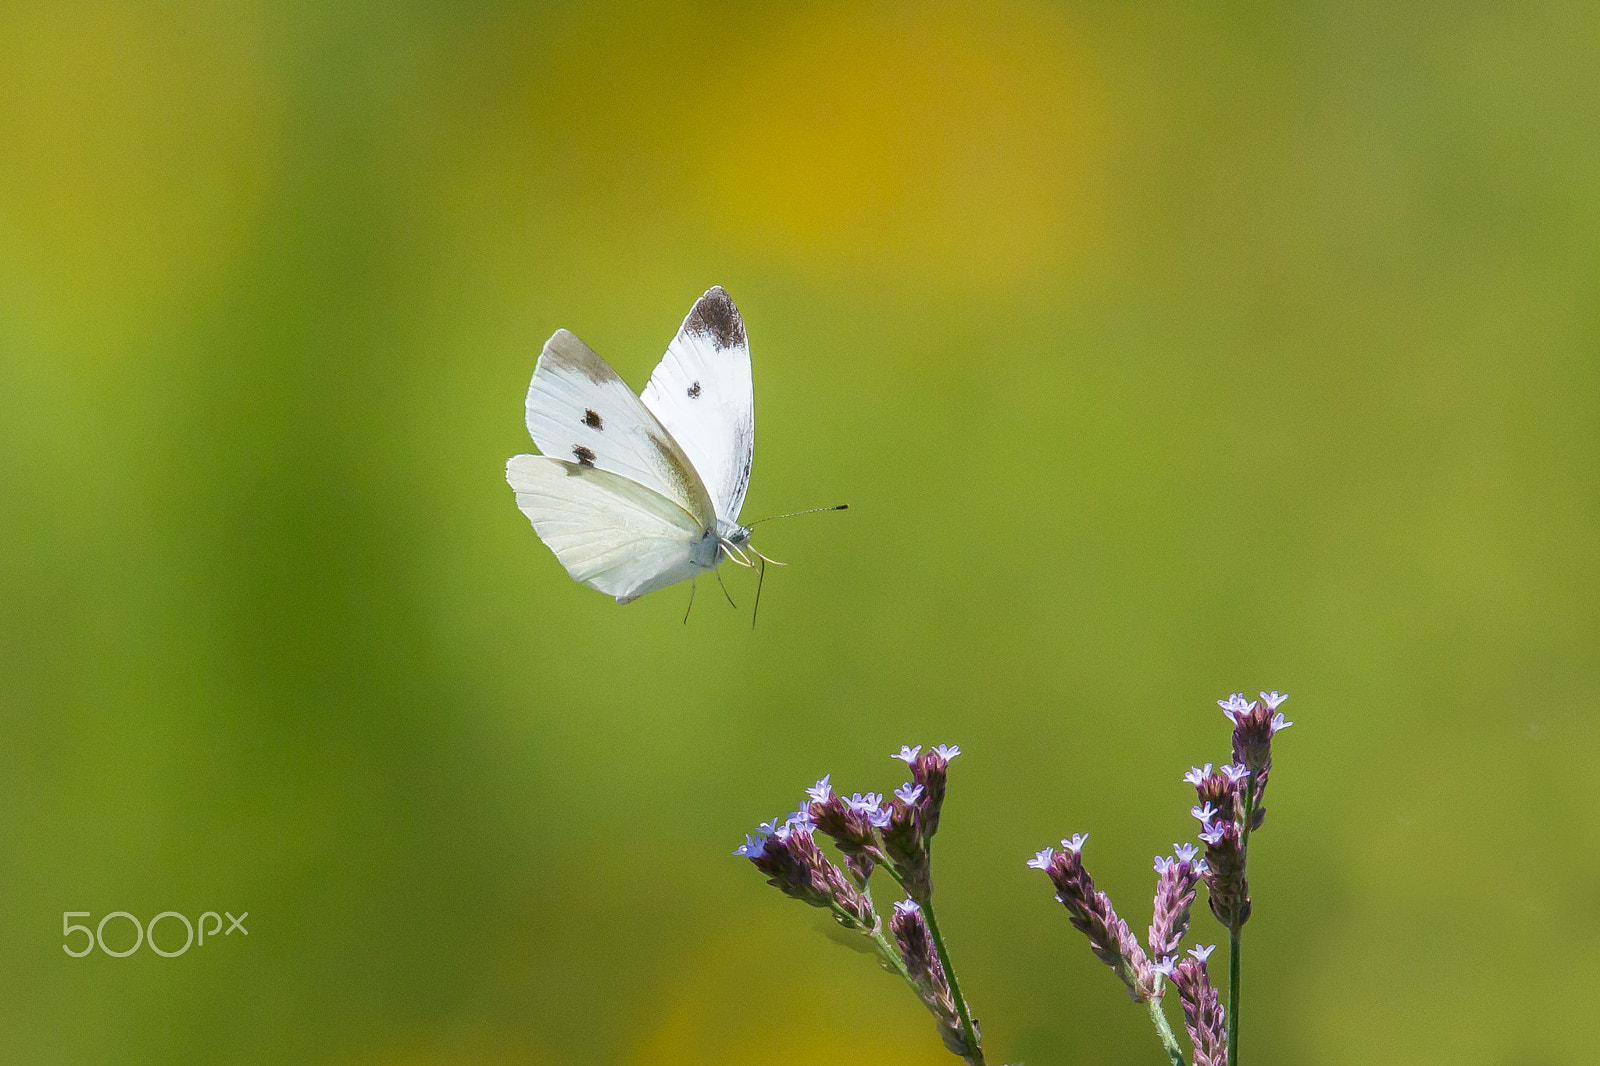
694 391
585 456
715 316
591 418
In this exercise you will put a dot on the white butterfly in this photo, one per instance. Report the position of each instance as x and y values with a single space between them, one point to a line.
634 496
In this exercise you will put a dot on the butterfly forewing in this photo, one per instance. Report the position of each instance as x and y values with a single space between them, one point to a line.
581 412
701 392
610 532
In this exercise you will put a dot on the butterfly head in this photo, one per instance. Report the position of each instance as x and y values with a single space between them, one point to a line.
733 539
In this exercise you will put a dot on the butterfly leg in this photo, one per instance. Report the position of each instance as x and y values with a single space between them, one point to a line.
689 608
761 580
735 606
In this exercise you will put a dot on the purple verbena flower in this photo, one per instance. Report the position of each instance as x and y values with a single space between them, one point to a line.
1175 892
852 824
1075 842
929 770
1217 791
822 791
1272 699
1253 727
1041 861
1091 913
1227 888
907 753
795 866
928 976
905 841
1202 1013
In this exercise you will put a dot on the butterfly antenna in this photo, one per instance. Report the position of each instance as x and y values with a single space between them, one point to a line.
792 514
762 580
735 606
689 608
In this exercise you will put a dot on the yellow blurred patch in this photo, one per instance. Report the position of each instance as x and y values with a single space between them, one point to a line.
913 144
801 1002
945 138
138 141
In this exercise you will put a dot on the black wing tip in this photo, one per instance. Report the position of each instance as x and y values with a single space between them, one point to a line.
714 315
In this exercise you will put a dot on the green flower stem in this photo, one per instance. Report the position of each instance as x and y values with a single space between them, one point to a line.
1236 933
967 1028
891 957
1233 996
1164 1031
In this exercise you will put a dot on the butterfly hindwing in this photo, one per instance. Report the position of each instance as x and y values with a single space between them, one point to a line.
610 532
702 393
580 411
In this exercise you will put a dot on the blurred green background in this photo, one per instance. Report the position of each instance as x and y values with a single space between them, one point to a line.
1161 352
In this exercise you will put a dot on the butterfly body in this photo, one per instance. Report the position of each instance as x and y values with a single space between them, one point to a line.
635 493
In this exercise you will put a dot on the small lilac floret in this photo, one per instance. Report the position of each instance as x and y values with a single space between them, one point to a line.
766 829
1278 722
822 791
1162 862
802 818
869 804
1205 814
752 847
1197 775
1235 773
908 793
1202 954
1185 852
947 751
906 906
1234 706
1272 699
1076 843
1212 834
1164 965
907 754
1042 860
